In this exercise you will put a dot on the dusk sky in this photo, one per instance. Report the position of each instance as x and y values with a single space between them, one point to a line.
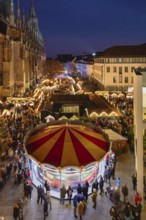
78 26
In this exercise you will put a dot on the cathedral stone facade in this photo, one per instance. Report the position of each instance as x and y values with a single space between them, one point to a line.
22 51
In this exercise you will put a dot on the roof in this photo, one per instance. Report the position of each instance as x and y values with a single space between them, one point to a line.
124 51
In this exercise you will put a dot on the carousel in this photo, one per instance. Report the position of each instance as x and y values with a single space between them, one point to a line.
65 152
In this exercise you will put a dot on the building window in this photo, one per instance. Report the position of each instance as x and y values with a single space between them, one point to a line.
114 69
108 69
120 78
131 80
132 69
120 70
114 79
126 69
126 79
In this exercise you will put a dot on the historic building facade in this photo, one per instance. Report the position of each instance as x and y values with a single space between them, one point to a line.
114 68
22 51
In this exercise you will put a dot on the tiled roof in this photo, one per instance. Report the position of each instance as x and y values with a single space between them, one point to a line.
124 51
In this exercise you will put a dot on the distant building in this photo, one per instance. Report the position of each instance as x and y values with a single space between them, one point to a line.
84 64
21 49
113 68
63 58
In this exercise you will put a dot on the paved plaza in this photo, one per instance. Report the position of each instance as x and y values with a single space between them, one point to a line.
33 211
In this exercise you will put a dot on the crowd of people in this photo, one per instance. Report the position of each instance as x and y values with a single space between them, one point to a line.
21 118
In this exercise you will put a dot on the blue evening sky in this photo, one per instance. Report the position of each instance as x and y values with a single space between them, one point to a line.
78 26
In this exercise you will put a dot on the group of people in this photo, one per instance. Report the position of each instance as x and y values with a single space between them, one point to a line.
79 198
44 197
129 212
20 120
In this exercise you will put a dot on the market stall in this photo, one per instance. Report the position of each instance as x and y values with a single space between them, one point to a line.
118 142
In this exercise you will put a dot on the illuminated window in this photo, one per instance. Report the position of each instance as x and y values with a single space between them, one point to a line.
120 70
114 79
126 79
126 69
108 69
120 78
132 68
114 69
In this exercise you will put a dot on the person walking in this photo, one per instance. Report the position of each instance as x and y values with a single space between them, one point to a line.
101 185
80 208
46 185
16 211
128 211
62 194
134 182
69 194
87 185
118 181
137 198
113 213
79 188
95 185
85 192
94 198
29 189
49 199
75 203
40 194
45 208
124 192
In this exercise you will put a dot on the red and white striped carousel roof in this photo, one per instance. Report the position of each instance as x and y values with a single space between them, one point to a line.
67 144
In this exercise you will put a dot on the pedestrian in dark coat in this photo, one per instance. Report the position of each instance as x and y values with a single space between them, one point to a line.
79 189
40 194
101 185
69 194
95 185
15 211
124 192
29 189
75 203
113 213
87 185
85 192
134 182
45 208
47 187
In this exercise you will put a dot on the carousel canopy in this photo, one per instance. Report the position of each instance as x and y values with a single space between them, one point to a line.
67 144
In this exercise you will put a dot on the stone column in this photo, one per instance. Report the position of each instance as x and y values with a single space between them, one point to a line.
138 132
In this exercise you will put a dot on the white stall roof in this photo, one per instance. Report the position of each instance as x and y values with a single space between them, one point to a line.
113 136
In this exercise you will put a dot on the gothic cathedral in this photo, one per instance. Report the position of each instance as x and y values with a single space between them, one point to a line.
22 52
